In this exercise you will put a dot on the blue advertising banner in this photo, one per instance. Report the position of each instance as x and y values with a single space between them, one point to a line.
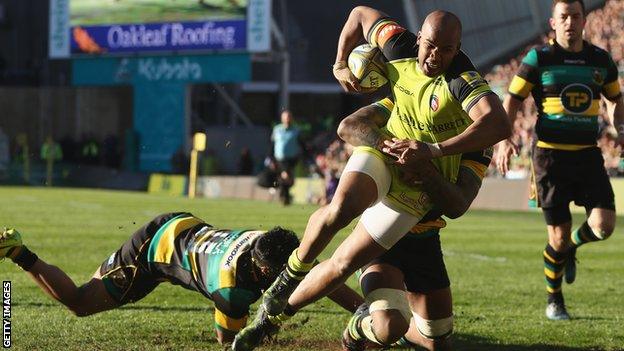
159 37
160 94
159 121
183 69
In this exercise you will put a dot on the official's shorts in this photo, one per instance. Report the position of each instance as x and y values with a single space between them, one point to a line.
419 257
564 176
127 274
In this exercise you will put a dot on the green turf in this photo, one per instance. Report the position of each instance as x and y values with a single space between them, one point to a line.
90 12
494 260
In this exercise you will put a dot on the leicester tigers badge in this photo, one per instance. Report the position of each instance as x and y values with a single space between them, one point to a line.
434 103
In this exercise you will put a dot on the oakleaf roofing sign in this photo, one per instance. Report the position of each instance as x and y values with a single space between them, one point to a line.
84 27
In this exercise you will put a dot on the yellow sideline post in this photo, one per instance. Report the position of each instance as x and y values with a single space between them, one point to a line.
199 144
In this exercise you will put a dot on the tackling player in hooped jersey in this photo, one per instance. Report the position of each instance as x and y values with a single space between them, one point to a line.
229 267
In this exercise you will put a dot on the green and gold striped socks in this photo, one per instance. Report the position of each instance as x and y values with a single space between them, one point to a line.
554 263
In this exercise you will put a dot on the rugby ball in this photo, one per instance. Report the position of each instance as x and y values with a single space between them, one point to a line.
368 65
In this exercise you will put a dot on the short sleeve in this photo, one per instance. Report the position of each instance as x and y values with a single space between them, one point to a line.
232 307
385 105
465 83
527 76
394 41
477 162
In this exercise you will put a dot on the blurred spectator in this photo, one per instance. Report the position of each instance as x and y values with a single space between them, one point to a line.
287 148
89 150
331 164
267 178
50 153
245 162
51 150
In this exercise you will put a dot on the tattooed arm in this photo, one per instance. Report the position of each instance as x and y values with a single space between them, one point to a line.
362 127
453 199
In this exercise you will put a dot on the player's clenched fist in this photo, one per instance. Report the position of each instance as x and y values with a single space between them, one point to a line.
345 77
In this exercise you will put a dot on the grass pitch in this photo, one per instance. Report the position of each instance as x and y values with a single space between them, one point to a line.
494 260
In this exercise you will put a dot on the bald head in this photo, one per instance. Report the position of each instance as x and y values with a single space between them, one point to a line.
438 42
443 21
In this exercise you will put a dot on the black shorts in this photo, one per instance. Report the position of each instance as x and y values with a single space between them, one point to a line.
127 275
564 176
419 257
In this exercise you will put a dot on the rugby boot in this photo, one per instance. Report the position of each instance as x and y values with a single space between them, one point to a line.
556 311
275 298
254 334
10 239
570 268
349 342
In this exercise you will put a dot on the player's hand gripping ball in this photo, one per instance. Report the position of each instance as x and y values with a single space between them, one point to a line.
368 65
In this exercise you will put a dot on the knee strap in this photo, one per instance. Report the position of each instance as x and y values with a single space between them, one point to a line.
389 299
434 328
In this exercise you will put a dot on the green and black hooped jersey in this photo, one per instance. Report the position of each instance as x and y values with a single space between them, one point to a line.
219 263
429 109
566 87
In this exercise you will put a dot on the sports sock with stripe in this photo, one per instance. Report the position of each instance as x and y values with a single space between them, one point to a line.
584 234
296 268
554 263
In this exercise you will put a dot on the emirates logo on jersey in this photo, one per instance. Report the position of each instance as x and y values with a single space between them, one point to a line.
434 103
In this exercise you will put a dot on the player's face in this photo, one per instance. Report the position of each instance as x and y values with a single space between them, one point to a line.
568 21
436 50
286 117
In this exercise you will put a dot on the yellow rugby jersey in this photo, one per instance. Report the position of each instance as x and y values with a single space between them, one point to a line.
476 162
429 109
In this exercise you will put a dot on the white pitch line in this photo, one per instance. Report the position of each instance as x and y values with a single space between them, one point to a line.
25 198
85 205
476 256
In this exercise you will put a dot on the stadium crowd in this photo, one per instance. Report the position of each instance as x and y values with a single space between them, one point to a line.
603 29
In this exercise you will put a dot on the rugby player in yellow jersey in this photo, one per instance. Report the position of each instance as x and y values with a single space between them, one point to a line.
414 266
567 77
229 267
442 108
